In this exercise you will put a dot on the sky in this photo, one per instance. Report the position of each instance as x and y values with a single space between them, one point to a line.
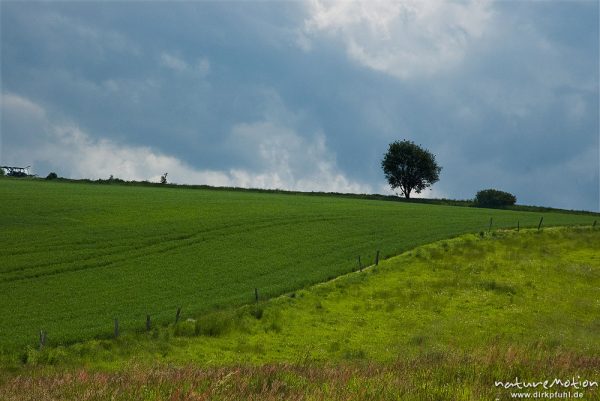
307 95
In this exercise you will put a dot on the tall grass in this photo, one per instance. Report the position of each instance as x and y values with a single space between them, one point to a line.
426 377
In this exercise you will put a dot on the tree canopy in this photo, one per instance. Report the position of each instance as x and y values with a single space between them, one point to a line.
409 167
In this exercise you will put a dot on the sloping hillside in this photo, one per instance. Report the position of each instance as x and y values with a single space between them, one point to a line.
75 257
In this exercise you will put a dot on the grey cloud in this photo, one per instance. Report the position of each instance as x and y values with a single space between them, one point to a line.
285 159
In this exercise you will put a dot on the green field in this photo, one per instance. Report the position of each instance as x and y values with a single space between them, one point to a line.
444 321
76 256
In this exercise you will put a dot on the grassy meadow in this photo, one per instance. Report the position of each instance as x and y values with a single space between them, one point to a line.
443 321
74 257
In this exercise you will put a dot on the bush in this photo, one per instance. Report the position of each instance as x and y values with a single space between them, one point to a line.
215 324
186 328
494 198
52 176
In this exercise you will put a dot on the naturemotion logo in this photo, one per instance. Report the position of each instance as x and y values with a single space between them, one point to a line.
558 387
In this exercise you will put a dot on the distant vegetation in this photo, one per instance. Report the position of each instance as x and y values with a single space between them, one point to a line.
494 198
77 256
15 172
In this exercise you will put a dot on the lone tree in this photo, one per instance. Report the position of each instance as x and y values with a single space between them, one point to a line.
409 167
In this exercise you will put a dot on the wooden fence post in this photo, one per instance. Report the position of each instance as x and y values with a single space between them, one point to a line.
359 264
490 227
377 258
518 226
178 315
540 225
147 322
256 294
42 339
116 328
594 225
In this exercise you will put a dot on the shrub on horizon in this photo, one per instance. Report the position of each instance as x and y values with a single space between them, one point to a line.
494 198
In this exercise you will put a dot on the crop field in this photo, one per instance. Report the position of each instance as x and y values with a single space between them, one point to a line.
444 321
74 257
